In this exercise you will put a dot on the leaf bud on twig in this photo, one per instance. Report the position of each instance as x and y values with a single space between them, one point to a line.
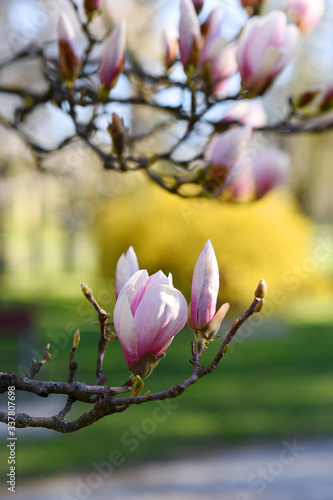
76 340
261 290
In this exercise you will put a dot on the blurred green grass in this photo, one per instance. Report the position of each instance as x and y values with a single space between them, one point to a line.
276 384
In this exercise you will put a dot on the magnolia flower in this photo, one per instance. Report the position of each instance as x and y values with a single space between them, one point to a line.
270 168
170 46
224 151
92 5
241 184
189 34
205 287
265 47
217 57
148 313
127 265
113 58
69 61
249 112
305 13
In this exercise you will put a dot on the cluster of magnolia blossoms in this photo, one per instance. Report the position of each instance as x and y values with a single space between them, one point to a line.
113 58
150 311
258 55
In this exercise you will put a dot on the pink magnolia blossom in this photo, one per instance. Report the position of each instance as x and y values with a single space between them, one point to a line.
305 13
271 169
113 58
205 288
69 61
241 184
249 112
127 265
224 151
170 46
92 5
217 57
189 34
148 313
265 47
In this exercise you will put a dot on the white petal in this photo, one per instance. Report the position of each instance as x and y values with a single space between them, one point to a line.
161 314
125 328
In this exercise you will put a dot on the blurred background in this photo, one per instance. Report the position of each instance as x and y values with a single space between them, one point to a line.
70 221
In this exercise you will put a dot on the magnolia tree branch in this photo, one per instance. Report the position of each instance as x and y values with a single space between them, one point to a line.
207 62
106 400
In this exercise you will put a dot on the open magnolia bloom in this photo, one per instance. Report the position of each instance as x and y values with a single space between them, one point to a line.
148 313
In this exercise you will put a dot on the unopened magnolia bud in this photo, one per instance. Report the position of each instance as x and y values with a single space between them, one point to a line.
69 61
261 290
113 58
189 36
87 292
117 131
76 340
259 306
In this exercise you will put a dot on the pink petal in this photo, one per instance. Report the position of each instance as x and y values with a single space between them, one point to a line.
133 288
189 30
65 29
154 280
113 55
127 265
124 324
225 148
160 315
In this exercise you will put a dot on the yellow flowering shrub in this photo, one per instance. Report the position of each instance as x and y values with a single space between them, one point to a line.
267 239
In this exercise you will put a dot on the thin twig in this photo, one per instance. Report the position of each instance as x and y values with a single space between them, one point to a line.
37 365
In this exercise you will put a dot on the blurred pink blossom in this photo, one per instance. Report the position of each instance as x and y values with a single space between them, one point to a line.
241 184
249 112
69 61
189 35
127 265
113 58
217 57
265 47
271 169
225 149
305 13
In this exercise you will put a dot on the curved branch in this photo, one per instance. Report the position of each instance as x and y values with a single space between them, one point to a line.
107 401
